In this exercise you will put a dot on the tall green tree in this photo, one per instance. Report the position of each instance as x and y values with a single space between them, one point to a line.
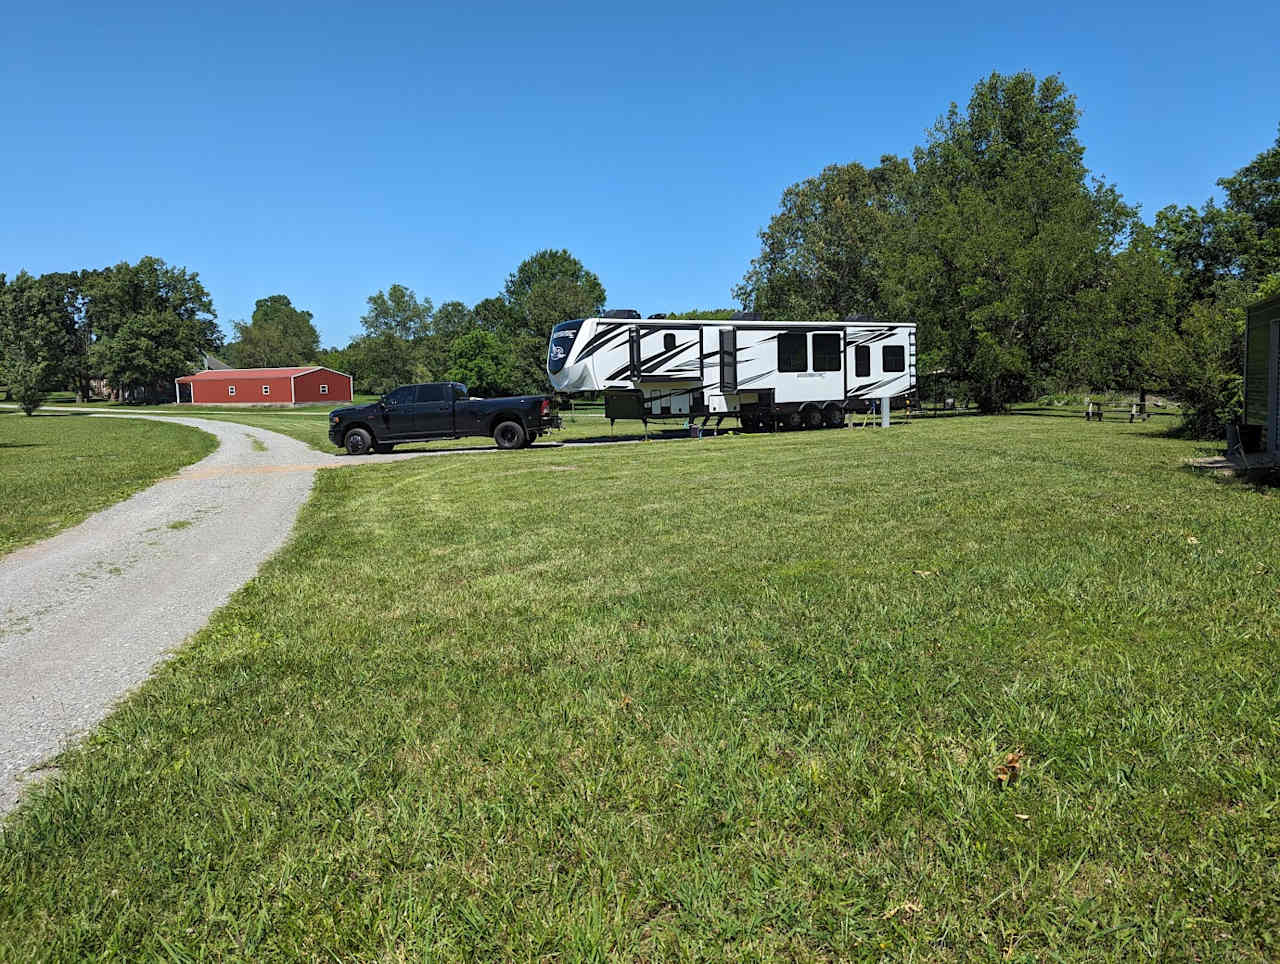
823 254
481 361
39 336
143 298
147 352
1010 239
547 288
399 312
278 336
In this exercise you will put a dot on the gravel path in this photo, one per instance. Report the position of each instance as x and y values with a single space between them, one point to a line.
87 614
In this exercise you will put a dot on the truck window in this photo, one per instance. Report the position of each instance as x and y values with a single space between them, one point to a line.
432 393
894 358
403 395
459 393
793 352
826 352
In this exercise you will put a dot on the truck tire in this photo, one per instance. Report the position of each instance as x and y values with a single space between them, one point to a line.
509 435
357 442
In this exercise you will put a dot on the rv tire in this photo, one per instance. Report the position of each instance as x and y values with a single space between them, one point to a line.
509 435
813 417
834 416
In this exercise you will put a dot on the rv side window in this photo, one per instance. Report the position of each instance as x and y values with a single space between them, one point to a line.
894 358
826 353
862 361
793 353
668 341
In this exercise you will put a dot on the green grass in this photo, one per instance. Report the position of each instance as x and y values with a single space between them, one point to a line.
741 698
57 469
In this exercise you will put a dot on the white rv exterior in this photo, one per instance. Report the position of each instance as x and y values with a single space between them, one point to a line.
787 373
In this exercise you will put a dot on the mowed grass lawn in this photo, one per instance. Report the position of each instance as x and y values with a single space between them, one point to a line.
57 469
741 698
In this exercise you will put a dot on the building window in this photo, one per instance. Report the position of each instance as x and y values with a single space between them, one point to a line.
894 358
231 391
862 361
266 390
793 352
826 352
668 341
324 389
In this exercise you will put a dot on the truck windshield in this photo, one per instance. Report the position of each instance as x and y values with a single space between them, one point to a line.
562 338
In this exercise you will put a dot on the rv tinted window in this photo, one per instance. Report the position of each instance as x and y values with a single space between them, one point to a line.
793 353
894 358
668 341
826 353
862 361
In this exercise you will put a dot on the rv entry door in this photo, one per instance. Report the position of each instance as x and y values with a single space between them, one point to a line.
728 361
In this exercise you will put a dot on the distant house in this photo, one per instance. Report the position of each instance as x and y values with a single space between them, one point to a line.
1262 378
263 386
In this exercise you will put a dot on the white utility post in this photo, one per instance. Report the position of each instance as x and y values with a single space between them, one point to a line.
884 412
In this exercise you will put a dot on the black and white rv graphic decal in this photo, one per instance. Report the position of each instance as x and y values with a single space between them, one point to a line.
758 370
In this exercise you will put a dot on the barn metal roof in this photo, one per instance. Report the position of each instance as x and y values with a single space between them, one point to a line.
226 374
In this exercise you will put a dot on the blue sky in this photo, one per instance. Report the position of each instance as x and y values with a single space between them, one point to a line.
327 150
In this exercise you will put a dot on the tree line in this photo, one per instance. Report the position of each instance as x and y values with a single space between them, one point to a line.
1024 273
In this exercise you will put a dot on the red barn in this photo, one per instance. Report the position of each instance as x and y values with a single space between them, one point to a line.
263 386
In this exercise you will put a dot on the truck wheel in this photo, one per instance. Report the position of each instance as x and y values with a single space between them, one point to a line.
358 442
509 435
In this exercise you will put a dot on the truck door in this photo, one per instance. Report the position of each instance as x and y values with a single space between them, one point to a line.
433 410
397 412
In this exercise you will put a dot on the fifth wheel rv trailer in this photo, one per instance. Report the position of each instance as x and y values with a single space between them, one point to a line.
787 374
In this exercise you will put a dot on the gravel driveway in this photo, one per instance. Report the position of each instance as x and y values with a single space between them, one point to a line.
85 615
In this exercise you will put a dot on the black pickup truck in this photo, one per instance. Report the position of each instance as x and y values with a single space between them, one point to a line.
419 413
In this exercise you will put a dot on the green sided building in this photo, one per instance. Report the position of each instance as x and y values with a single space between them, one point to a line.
1261 380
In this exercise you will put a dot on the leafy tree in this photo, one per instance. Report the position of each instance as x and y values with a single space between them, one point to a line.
481 361
547 288
1142 303
1009 242
1223 257
278 336
148 351
38 336
494 314
1253 193
399 312
378 363
822 255
143 298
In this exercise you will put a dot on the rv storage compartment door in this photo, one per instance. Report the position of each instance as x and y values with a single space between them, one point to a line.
625 404
728 360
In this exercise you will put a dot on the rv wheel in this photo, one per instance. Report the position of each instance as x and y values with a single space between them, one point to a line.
794 420
813 418
834 416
